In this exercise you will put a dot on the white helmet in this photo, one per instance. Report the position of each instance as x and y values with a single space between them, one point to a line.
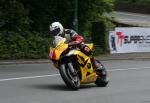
56 29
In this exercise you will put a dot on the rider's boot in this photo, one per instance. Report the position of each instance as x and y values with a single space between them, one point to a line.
98 67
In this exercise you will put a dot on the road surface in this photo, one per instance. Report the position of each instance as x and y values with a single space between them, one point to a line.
134 19
41 83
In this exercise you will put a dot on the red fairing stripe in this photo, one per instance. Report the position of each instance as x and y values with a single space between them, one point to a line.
52 54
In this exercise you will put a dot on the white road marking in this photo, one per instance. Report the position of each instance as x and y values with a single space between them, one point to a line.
129 69
54 75
9 79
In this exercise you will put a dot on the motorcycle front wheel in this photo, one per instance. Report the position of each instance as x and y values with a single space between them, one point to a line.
69 76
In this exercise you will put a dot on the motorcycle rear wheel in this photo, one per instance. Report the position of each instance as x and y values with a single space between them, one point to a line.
72 81
102 79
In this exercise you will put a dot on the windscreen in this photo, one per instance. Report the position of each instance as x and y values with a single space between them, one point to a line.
56 40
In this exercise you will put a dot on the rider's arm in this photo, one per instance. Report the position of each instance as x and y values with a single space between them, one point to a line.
77 39
71 32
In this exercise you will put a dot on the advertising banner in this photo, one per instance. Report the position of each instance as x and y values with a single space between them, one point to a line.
129 40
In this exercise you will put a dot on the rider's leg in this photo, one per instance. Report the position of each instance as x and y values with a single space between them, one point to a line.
85 49
96 65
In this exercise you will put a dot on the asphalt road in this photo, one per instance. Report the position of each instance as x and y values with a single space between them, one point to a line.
41 83
135 19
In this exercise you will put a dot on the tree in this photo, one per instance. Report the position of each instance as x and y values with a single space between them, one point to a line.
13 16
93 10
45 12
25 23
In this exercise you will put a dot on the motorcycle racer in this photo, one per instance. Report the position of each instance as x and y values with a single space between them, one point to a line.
73 39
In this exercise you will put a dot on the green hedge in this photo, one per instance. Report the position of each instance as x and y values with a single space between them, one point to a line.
134 1
16 46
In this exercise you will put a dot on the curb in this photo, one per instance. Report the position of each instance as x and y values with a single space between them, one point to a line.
11 62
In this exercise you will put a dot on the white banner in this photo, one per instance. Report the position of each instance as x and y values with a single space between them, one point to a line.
128 40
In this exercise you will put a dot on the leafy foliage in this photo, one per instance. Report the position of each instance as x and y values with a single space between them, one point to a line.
13 16
15 46
24 24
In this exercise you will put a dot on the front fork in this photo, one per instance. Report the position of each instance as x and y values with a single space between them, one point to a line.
73 72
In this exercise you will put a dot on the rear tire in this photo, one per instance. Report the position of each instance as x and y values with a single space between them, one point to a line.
72 81
102 79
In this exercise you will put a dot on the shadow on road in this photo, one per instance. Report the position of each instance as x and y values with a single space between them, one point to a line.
59 87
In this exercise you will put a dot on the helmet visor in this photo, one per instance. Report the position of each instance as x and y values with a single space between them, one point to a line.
55 31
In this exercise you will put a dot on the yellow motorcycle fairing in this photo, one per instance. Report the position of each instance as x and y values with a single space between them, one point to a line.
57 51
88 74
90 45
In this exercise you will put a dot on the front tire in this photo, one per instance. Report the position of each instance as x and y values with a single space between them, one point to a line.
71 80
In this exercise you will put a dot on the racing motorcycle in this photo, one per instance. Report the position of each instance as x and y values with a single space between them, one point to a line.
74 66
